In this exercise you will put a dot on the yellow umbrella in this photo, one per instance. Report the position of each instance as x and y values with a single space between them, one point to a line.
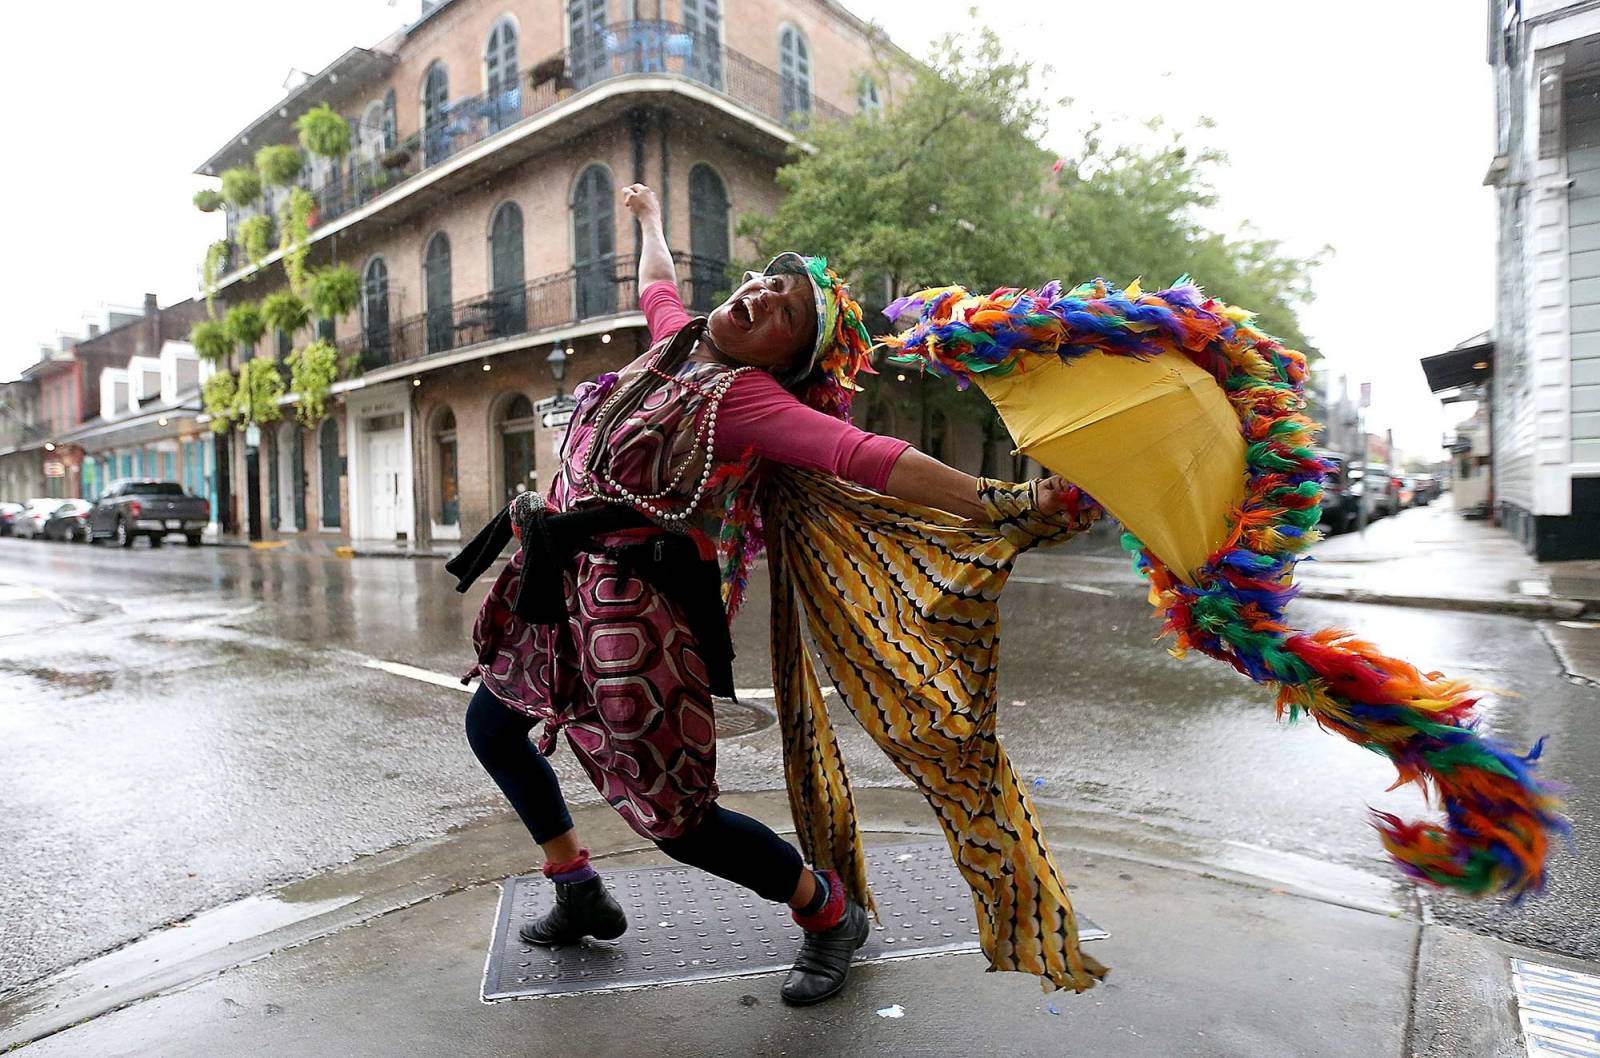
1154 441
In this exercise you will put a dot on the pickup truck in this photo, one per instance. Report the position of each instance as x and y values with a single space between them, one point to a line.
131 509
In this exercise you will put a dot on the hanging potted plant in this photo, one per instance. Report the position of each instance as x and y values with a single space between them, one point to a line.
241 186
208 200
312 371
397 157
255 237
332 292
244 324
211 270
210 340
296 219
279 164
284 311
260 386
217 396
324 133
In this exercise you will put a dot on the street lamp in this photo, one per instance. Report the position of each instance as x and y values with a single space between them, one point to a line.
557 363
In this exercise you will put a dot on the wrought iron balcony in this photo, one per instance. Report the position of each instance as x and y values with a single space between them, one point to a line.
623 49
608 287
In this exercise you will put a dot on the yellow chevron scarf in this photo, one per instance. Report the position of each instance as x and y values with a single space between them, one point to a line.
902 603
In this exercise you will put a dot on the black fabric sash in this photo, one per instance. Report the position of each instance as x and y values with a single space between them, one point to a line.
667 562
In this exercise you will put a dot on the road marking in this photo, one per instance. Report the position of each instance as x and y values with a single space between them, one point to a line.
1559 1010
16 593
440 679
1063 584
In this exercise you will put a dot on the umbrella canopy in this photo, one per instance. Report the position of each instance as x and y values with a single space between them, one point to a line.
1151 403
1154 441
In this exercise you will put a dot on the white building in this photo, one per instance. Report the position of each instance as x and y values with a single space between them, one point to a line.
1543 362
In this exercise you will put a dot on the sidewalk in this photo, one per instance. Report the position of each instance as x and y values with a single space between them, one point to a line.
1243 952
1431 556
332 546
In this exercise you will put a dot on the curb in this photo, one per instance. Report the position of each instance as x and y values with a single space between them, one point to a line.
1511 606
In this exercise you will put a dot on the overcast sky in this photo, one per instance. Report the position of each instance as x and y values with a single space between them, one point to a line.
1366 131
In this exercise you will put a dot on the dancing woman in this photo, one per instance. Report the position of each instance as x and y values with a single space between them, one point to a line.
609 622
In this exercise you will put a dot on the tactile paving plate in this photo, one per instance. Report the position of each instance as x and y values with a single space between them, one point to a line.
685 925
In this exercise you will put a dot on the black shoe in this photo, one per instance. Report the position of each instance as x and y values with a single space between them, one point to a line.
583 909
824 959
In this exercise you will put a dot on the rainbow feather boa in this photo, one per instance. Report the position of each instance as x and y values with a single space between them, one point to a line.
1497 816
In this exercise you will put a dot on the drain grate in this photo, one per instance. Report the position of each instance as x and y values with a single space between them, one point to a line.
685 925
1559 1010
738 718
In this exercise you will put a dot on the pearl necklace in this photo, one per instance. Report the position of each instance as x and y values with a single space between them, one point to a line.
704 441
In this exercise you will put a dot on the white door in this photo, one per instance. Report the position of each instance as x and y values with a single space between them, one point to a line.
385 451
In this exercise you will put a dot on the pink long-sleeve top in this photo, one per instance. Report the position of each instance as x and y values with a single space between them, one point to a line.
758 415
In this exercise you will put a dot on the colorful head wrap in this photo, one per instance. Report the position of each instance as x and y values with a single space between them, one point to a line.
843 346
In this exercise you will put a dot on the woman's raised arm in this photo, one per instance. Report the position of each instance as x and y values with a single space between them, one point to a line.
655 260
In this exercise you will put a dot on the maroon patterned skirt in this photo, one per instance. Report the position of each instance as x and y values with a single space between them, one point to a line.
623 678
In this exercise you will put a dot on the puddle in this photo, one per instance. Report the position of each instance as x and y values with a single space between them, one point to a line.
73 684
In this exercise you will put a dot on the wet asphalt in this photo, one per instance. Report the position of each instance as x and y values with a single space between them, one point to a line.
179 728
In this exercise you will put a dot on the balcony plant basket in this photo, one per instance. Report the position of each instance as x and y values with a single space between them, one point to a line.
324 133
241 186
279 164
208 200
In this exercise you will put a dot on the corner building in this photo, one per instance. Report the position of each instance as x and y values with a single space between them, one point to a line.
479 206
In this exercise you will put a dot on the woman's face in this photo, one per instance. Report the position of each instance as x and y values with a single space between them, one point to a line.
768 322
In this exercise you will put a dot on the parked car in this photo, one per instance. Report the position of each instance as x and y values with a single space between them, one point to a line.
1427 489
30 523
1338 502
1372 485
68 522
9 512
152 509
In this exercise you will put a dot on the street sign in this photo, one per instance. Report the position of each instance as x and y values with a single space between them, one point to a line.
559 402
555 419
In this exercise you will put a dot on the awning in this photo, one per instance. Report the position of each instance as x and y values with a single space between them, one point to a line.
155 424
1469 364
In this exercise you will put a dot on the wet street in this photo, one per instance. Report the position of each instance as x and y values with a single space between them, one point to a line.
183 727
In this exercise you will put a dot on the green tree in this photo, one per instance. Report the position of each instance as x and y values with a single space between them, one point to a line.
941 187
949 185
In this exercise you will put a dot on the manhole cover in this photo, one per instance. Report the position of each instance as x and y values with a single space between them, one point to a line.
685 925
736 718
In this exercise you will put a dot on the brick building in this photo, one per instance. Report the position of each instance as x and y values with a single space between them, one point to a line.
480 209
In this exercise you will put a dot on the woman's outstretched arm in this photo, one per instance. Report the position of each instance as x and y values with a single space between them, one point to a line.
655 260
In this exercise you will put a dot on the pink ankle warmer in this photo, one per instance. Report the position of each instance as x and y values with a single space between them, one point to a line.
576 869
832 912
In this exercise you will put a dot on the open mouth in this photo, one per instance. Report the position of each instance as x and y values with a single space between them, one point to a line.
742 316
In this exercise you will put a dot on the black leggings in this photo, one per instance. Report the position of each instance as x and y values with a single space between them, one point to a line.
729 845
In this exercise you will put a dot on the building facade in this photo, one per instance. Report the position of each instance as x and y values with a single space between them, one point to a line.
1543 375
480 209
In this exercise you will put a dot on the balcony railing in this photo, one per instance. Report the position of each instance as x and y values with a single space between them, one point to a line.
608 287
623 49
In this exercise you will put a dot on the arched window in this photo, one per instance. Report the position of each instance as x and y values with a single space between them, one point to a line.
389 126
703 20
586 41
444 456
794 76
435 104
436 293
519 472
369 135
867 99
375 312
594 244
501 75
708 237
328 456
509 312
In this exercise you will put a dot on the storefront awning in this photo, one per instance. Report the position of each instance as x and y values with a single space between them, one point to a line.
1469 364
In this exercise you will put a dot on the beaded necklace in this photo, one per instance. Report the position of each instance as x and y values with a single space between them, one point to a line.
594 476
